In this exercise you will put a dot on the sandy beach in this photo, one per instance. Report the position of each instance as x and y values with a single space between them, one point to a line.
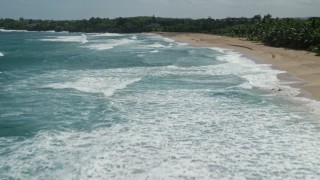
300 65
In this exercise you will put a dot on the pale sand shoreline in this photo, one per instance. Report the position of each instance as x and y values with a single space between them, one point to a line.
302 66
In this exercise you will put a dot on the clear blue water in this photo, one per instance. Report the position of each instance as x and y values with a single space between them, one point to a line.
137 106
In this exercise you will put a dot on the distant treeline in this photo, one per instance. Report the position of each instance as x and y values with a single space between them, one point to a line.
295 33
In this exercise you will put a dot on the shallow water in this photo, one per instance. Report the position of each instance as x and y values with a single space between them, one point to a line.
135 106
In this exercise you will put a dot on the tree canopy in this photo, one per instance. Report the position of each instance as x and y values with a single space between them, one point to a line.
295 33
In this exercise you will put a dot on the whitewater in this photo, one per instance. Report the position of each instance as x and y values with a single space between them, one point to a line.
141 106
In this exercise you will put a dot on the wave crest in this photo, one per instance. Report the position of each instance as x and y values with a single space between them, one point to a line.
108 35
80 39
7 30
109 44
108 86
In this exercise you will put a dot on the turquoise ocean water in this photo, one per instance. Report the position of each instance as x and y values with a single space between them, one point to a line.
138 106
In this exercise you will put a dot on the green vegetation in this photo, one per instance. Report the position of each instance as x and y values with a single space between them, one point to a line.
295 33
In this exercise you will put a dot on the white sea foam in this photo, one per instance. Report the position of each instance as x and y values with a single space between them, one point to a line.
59 31
173 134
84 38
245 85
134 37
1 54
106 85
257 75
8 30
108 35
154 51
109 44
157 128
313 105
53 31
168 40
50 31
181 44
261 76
220 50
80 39
100 46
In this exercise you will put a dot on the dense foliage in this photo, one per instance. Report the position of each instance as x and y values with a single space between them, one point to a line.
296 33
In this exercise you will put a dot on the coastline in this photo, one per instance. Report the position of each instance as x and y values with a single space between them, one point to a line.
301 67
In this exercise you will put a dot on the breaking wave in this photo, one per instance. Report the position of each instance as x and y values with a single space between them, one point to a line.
80 39
8 30
109 44
106 85
108 35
